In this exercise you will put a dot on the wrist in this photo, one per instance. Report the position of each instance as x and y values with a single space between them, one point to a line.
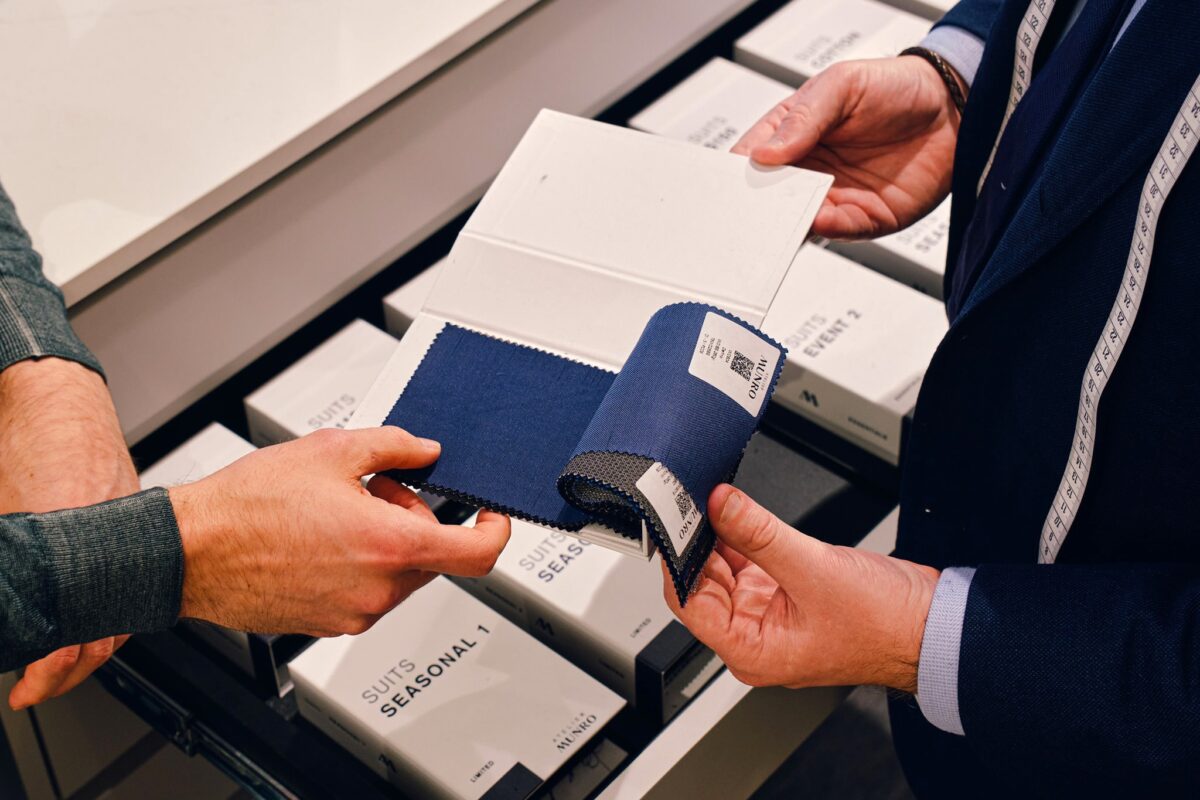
198 526
44 375
936 67
912 611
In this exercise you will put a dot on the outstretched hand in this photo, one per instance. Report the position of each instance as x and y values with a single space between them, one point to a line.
884 128
782 608
287 540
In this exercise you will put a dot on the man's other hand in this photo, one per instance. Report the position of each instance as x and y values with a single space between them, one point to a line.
287 540
63 448
781 608
884 128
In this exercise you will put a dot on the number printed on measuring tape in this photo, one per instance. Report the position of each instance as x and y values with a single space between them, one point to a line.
1173 155
1029 36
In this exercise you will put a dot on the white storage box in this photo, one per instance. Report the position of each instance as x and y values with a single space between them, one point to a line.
322 389
603 611
714 107
445 698
858 346
915 256
806 36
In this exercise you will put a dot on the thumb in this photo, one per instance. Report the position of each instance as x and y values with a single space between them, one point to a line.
379 449
782 552
816 108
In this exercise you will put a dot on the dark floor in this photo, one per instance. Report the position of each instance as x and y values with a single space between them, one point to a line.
849 757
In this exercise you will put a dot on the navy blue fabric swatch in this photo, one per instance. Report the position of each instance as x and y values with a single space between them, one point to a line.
657 408
507 418
510 418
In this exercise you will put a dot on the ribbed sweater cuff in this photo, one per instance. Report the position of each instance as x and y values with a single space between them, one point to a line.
33 324
114 568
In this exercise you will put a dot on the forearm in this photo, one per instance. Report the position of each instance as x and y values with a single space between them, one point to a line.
63 443
83 574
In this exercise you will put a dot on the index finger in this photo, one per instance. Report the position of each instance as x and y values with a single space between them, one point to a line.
368 450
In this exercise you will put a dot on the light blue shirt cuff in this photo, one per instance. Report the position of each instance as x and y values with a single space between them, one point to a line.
937 672
962 49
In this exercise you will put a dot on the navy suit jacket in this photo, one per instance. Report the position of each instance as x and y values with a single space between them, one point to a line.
1082 677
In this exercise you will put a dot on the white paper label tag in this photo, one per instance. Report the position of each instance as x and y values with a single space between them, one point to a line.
735 361
673 504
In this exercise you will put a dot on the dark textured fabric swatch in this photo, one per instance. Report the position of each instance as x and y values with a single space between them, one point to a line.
559 443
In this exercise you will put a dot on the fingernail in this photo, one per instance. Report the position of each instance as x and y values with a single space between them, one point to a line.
732 504
775 141
429 444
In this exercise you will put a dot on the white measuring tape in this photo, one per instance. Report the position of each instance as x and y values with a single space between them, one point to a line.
1029 36
1176 148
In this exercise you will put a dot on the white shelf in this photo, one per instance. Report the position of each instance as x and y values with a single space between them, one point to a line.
135 120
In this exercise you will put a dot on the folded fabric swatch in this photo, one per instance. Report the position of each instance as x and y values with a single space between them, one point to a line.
559 443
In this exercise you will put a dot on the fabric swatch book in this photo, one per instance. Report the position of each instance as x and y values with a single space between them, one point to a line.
588 356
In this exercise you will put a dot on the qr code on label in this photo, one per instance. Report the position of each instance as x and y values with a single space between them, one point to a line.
683 501
741 365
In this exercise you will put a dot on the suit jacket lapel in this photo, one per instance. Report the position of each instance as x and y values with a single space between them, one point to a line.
1115 129
981 120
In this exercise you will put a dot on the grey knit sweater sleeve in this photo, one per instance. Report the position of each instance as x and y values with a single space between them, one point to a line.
78 575
33 319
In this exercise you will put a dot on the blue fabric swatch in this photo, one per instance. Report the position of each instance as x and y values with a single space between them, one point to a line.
507 417
511 418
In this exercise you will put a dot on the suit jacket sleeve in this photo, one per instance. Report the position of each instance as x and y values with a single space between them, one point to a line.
975 16
1084 680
